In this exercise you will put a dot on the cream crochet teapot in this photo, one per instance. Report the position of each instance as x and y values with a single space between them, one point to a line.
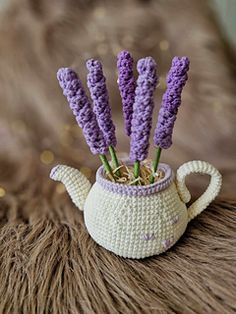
138 221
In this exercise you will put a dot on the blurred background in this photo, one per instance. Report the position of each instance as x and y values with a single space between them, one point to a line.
37 129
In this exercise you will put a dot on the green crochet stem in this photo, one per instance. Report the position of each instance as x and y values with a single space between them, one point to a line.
114 159
136 169
106 165
155 164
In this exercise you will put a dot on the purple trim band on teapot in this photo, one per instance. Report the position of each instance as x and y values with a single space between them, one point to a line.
136 190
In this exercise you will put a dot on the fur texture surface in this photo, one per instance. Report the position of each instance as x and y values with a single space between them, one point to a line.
49 263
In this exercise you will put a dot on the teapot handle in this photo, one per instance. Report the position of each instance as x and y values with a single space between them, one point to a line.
211 192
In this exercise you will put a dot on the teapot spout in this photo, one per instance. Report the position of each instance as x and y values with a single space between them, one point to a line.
76 184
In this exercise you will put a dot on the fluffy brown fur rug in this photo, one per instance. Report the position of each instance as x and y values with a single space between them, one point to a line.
48 262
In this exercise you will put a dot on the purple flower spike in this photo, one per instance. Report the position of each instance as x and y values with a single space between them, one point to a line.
82 109
171 101
143 108
126 82
97 85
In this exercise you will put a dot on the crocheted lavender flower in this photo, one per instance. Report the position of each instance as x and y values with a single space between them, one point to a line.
143 108
126 82
171 101
97 85
82 109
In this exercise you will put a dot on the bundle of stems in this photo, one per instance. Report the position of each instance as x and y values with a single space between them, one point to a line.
137 102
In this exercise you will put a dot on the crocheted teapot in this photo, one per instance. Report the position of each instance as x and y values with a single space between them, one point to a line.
138 221
141 217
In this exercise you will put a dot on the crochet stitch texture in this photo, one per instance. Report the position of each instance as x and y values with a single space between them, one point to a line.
143 109
127 84
133 221
97 85
171 101
82 109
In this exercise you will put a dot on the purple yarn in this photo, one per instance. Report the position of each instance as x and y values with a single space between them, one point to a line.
97 85
143 108
136 190
126 82
171 101
82 109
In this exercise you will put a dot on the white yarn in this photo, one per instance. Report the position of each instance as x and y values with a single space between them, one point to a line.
135 227
211 192
76 183
138 226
